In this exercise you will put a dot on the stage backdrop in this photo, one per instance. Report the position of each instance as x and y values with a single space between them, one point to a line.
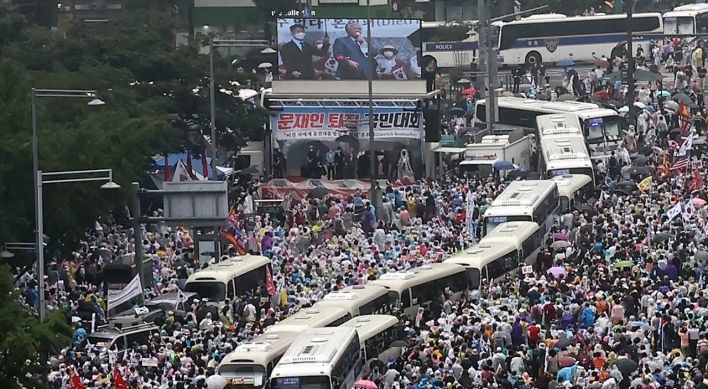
330 128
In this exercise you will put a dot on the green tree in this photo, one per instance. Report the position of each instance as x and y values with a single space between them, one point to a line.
24 339
12 23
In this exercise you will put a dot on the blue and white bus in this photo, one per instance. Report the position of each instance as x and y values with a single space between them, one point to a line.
551 37
449 54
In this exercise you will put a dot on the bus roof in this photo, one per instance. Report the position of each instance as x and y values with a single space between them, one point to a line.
351 297
565 152
226 270
570 183
564 18
308 318
369 325
479 255
399 281
557 125
687 10
513 232
523 193
261 350
318 346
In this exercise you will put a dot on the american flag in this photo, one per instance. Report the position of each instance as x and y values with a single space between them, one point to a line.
681 162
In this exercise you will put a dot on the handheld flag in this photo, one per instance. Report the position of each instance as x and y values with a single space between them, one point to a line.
680 163
270 286
687 145
232 232
167 168
684 115
696 180
645 184
118 380
688 211
181 297
74 379
674 211
190 169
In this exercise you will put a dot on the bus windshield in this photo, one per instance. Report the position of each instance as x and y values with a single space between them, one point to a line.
491 222
308 382
244 375
596 129
679 25
214 291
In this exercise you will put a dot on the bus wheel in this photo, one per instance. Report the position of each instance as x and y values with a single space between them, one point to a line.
533 57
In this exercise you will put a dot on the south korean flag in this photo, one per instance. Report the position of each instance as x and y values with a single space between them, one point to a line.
688 211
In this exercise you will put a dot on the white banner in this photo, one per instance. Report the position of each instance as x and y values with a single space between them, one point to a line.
674 211
134 288
470 213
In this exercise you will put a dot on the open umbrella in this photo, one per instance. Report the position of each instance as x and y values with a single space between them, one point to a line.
557 271
216 381
565 62
640 160
639 104
457 111
318 193
468 91
626 366
564 342
564 360
560 236
680 97
512 175
585 208
660 237
701 256
602 62
622 264
399 343
504 165
662 93
641 170
366 384
560 244
698 201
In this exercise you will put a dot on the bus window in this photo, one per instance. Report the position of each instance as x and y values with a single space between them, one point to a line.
455 282
474 277
250 280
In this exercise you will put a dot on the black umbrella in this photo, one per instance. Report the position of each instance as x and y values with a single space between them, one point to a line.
457 111
626 366
639 160
565 342
514 174
533 176
346 138
585 208
543 96
318 193
399 343
248 171
660 237
641 170
623 191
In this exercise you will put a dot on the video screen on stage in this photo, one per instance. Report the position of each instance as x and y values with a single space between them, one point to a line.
337 49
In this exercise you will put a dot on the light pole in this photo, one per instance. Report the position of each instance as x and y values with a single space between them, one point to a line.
9 247
215 43
372 149
35 93
60 178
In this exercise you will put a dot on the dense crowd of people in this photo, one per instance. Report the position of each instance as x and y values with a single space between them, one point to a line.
621 306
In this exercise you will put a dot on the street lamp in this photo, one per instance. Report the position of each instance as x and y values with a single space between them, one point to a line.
62 93
215 43
7 253
60 178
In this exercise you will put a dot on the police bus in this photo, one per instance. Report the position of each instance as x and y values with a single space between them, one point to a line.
564 155
572 189
357 300
310 318
229 278
320 358
376 334
689 19
449 54
549 38
535 201
500 252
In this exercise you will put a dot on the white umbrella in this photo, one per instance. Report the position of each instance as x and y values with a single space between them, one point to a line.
264 65
245 94
639 104
216 382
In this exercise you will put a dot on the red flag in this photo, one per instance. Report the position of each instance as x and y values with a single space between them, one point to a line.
270 286
205 169
118 380
74 379
696 181
190 171
167 168
684 115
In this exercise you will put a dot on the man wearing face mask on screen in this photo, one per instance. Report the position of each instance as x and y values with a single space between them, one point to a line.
297 55
352 54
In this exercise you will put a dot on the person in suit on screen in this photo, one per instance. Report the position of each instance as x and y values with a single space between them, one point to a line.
297 55
352 54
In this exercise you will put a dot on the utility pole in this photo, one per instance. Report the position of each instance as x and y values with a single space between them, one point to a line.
630 56
492 71
482 57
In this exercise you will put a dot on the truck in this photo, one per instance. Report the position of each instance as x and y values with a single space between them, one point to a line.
492 151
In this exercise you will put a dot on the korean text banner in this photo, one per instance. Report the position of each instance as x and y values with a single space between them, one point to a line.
337 49
327 124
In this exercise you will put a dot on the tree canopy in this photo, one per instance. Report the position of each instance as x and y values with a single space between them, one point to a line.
23 338
157 102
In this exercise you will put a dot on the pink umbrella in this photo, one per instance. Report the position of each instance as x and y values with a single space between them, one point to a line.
565 361
366 384
557 271
698 201
560 236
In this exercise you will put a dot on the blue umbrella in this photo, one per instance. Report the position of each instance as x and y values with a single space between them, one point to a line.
504 165
565 62
662 93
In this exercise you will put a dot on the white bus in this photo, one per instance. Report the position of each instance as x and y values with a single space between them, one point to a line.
320 358
250 364
564 155
418 286
311 318
501 252
229 278
376 333
689 19
524 201
572 188
601 127
357 300
449 54
551 37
